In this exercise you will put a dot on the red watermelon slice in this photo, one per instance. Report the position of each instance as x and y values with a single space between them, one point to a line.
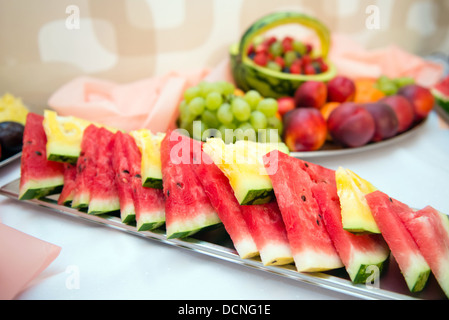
38 176
86 168
406 252
66 196
139 204
221 195
149 203
430 230
441 93
187 207
104 196
309 240
268 230
123 179
359 253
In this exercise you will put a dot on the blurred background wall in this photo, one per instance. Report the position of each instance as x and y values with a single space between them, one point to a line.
46 43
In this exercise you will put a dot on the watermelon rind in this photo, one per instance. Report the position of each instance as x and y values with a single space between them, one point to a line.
270 83
103 206
185 228
150 220
38 189
441 99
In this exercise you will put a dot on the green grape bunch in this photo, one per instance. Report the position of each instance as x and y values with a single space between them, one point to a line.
218 109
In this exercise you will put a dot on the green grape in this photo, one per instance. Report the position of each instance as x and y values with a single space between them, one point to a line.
214 100
225 88
268 135
299 47
403 81
198 129
183 107
274 66
197 105
253 97
191 93
210 119
245 131
240 109
268 106
258 120
224 114
227 133
276 48
275 123
206 88
289 57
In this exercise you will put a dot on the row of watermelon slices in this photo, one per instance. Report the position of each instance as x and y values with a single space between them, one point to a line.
301 226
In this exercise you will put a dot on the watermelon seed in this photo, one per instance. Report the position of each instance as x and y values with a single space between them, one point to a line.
180 185
138 176
306 164
317 222
303 197
125 171
391 200
38 153
168 193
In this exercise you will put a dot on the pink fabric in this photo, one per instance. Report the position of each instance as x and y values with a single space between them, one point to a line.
22 258
354 61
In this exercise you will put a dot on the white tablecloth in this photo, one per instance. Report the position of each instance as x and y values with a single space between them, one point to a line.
97 262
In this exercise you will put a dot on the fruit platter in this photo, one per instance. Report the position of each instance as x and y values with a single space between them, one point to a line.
287 90
238 202
232 180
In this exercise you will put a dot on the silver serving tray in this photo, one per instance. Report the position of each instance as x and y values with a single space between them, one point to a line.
330 150
10 159
216 243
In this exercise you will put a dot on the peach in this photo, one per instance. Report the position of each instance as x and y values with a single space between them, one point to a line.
311 94
403 109
285 104
340 89
421 99
386 122
304 129
351 125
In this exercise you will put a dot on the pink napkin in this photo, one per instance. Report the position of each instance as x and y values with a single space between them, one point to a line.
354 61
22 258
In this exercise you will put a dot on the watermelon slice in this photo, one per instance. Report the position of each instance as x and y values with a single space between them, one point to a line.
268 230
403 247
86 168
187 207
123 179
66 196
309 240
359 253
149 203
430 229
104 196
38 176
221 195
441 93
